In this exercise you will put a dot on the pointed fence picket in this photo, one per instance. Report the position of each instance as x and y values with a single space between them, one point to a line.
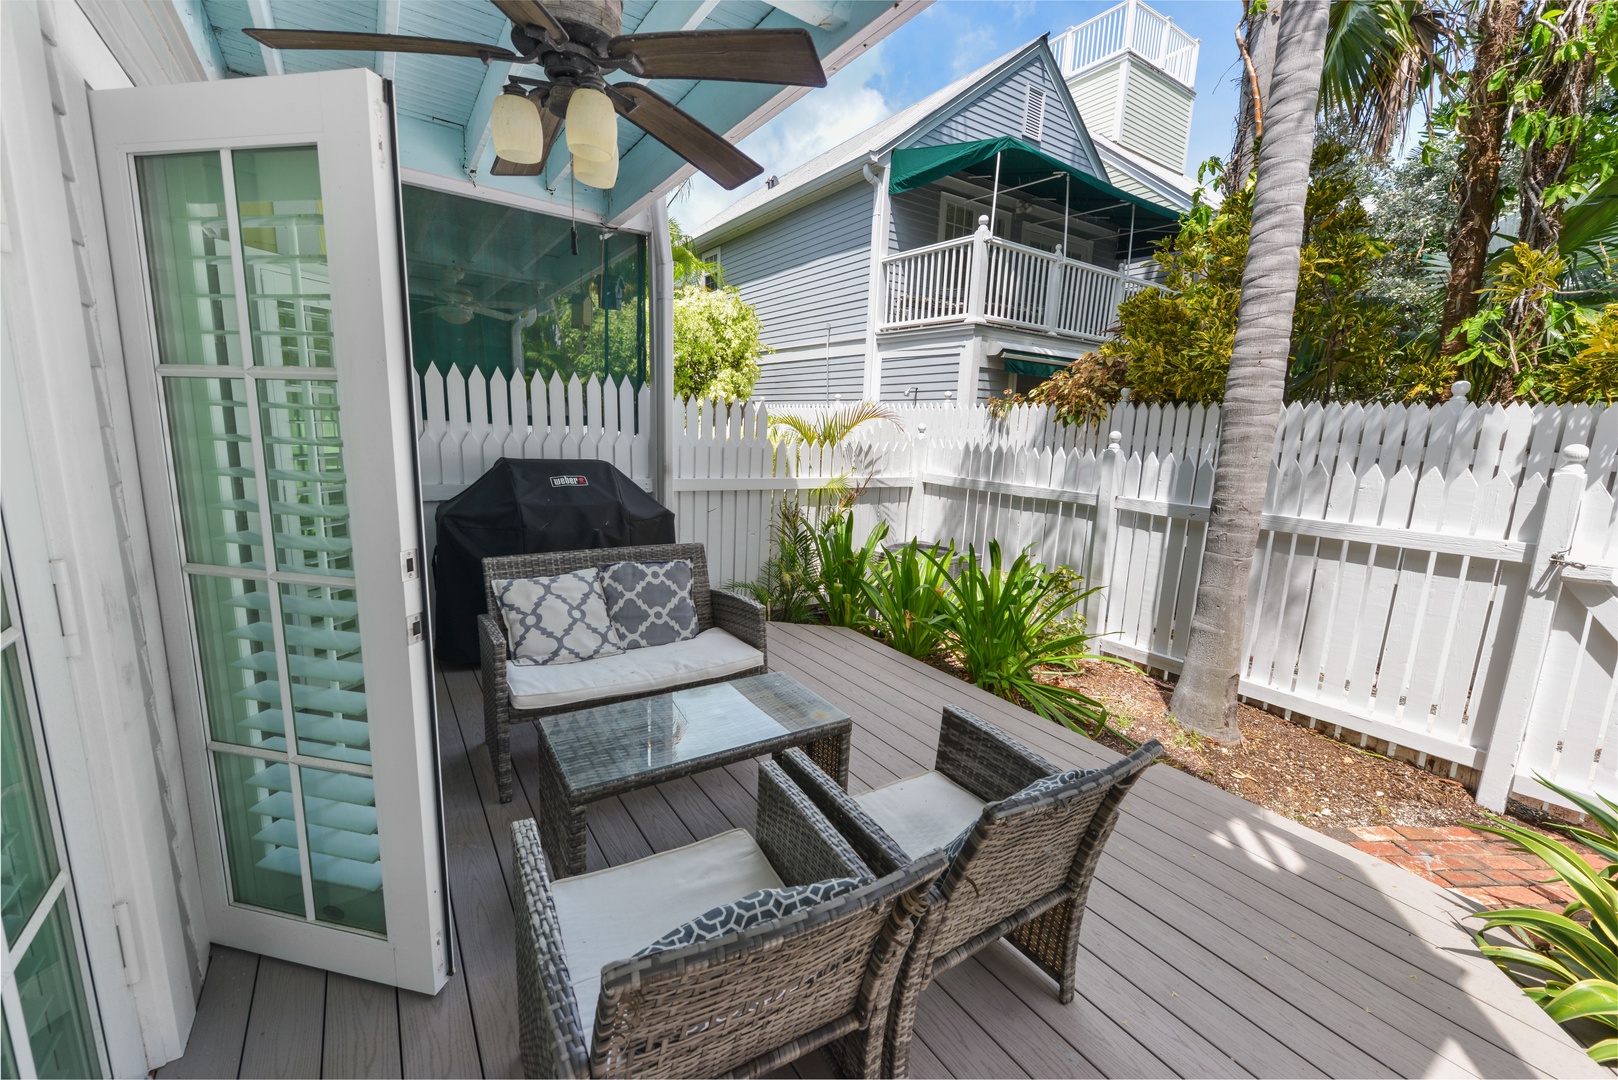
1401 556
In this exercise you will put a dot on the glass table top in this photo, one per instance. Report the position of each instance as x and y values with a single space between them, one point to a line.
610 745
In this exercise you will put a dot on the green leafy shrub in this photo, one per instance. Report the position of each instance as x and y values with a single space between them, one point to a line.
786 583
717 343
843 569
905 594
1003 625
1567 961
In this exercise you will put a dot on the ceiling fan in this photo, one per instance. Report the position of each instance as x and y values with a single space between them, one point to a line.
577 42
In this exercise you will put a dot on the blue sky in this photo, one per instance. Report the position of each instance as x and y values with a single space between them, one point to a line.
950 39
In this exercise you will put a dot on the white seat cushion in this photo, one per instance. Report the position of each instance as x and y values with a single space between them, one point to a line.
613 914
712 654
922 812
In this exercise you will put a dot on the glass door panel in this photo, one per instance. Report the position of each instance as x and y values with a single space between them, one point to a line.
281 668
44 996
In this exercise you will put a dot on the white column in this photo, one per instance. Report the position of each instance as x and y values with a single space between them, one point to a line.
662 358
876 299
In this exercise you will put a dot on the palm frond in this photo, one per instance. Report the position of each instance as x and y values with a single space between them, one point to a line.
1381 57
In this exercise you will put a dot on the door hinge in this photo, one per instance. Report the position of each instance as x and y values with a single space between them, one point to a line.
126 941
410 564
415 628
67 607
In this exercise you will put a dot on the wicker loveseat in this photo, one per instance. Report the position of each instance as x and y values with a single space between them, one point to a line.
516 694
743 1002
1022 873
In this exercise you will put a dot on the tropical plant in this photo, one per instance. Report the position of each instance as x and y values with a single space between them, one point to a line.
1591 375
1381 57
905 594
1205 697
786 583
998 623
718 340
826 430
843 568
689 267
1566 961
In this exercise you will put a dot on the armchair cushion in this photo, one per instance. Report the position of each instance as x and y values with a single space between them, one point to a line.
613 914
923 812
650 602
556 620
765 905
713 654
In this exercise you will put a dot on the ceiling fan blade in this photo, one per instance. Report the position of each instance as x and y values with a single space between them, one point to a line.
702 147
784 57
342 39
526 13
552 126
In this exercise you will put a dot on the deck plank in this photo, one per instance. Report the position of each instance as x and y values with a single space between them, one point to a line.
362 1029
286 1026
220 1026
1222 940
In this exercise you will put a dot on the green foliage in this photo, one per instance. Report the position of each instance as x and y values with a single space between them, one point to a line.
828 428
717 343
1591 374
905 595
843 568
1003 625
786 584
1082 392
1567 961
689 267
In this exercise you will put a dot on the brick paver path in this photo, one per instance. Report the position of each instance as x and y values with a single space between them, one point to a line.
1479 866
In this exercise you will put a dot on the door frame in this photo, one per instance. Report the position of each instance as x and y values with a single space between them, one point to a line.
346 116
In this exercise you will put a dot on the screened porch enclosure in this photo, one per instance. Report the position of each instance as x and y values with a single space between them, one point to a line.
996 231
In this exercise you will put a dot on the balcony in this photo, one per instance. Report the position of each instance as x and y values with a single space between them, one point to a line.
1131 27
983 279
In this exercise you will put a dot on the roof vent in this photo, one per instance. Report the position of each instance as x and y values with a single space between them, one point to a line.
1033 116
772 181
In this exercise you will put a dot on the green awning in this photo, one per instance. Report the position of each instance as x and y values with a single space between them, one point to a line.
1046 177
1024 364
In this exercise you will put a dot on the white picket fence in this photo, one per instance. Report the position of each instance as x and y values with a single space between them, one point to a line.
1403 588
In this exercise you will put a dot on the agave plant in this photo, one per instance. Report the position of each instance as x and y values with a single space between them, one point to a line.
1004 625
1566 961
905 595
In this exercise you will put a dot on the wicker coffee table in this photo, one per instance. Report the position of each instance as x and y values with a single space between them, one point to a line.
593 754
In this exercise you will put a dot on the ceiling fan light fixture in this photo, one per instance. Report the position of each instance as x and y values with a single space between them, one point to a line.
596 174
515 127
592 126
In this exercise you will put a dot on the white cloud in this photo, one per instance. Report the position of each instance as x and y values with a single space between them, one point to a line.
812 125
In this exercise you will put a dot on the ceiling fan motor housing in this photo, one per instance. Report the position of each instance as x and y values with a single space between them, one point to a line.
591 23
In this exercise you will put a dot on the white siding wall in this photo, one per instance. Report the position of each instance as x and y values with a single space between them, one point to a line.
1157 116
1000 112
805 272
913 219
1096 95
929 360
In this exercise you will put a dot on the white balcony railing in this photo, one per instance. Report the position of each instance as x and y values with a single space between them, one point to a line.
1130 27
980 278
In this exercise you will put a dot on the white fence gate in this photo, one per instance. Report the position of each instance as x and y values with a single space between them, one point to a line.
1426 577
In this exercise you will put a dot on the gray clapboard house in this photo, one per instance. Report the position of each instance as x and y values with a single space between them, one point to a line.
874 267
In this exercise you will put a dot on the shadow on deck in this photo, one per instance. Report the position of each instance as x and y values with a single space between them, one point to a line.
1221 939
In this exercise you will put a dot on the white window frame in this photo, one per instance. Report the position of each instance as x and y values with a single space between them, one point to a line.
1002 217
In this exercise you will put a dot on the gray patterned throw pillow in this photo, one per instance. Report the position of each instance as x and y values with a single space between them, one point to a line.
650 602
556 620
765 905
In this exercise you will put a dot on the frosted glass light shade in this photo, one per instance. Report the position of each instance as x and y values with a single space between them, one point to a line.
597 174
515 127
592 126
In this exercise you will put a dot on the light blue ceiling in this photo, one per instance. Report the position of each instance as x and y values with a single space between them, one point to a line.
443 102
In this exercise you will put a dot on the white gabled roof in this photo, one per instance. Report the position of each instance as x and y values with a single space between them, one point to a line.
848 156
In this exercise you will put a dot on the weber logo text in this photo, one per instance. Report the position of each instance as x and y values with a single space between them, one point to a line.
570 481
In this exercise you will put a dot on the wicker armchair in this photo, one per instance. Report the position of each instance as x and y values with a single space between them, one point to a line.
740 1005
1023 872
738 615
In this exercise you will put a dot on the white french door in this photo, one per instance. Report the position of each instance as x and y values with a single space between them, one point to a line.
255 241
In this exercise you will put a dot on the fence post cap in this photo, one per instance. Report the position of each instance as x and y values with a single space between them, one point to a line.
1114 439
921 430
1459 389
1575 454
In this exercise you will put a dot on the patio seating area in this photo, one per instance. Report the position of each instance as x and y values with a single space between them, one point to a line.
1220 940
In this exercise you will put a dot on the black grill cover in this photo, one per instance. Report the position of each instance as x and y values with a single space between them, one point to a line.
520 507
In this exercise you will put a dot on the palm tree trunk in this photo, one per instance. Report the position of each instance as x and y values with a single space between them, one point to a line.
1256 38
1205 699
1482 129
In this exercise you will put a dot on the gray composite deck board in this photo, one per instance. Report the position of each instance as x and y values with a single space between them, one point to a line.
1221 940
